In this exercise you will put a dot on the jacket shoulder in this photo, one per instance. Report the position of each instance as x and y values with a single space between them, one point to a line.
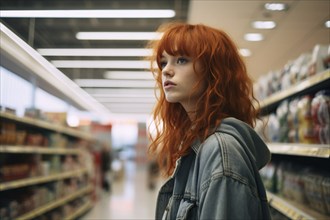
222 155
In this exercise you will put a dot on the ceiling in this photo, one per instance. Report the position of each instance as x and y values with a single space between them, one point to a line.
298 30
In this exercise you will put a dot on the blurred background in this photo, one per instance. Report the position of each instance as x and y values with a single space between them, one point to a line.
76 95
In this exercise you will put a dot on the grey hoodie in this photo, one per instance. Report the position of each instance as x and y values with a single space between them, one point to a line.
219 179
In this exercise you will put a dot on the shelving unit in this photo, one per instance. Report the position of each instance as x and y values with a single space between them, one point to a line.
52 205
292 209
304 85
48 127
42 179
308 150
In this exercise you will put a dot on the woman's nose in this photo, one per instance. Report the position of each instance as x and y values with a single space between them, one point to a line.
167 70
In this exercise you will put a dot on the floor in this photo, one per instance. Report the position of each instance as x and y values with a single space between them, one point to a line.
130 197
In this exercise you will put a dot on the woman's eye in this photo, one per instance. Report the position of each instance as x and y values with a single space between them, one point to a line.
163 64
182 60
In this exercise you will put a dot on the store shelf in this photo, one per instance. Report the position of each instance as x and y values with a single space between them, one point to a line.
46 125
292 209
41 179
52 205
309 150
80 211
295 89
17 149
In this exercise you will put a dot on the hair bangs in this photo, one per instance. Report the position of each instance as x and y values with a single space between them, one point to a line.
176 42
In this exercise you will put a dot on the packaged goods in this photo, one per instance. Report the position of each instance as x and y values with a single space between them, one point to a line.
320 111
7 133
314 192
320 53
33 113
268 175
326 192
58 140
293 122
293 184
321 107
306 129
56 117
11 172
273 128
302 65
282 114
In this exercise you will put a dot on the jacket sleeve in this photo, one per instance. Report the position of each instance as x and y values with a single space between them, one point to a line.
227 198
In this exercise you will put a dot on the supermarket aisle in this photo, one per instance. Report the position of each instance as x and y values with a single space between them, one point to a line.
130 197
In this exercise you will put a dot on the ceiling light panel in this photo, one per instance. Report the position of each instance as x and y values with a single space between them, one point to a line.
87 13
117 64
126 100
276 6
104 83
263 24
110 52
130 107
128 75
327 24
120 91
118 35
253 37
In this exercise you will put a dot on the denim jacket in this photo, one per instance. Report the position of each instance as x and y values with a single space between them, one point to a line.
219 179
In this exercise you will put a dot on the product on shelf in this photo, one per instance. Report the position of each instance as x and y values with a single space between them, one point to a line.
33 113
36 181
14 171
293 121
318 62
321 116
301 183
314 192
282 114
293 72
305 130
268 174
7 133
326 192
56 117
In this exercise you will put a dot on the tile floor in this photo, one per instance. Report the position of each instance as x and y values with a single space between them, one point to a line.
130 197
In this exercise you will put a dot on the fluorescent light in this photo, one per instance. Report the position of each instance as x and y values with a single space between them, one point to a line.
87 13
126 100
276 6
39 67
151 95
264 24
245 52
253 37
327 24
104 83
119 64
101 92
130 107
118 35
102 52
128 75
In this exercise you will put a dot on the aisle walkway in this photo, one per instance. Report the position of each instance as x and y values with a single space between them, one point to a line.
130 198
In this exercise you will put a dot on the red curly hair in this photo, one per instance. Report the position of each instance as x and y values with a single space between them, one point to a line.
228 93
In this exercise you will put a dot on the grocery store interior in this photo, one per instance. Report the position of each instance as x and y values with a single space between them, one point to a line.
76 99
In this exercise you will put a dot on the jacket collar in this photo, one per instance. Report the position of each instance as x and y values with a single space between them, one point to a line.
195 146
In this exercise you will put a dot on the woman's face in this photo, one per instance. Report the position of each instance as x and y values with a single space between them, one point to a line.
179 80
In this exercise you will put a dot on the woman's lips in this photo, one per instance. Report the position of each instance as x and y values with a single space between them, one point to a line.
169 84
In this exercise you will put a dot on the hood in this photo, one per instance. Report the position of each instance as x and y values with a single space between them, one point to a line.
247 136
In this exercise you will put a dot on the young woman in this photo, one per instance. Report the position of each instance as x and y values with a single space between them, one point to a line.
204 139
